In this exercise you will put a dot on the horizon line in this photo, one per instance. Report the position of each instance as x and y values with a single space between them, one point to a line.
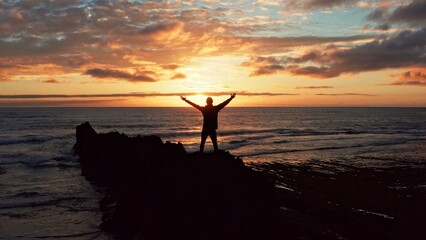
271 106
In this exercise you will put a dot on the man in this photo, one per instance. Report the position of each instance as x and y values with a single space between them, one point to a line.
210 119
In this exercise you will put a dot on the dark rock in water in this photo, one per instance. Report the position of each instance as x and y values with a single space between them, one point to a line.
156 190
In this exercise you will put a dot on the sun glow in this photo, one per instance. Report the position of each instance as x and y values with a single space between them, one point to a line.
209 74
199 99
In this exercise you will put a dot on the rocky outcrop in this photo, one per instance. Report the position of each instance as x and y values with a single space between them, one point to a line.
156 190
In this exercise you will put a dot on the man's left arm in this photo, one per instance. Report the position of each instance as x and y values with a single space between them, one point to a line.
222 105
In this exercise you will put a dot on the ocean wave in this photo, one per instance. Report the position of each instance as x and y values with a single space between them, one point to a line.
74 235
10 156
39 161
260 137
307 132
8 140
253 132
62 162
283 151
281 141
127 126
382 215
312 132
31 116
238 141
27 194
17 215
41 203
51 165
65 158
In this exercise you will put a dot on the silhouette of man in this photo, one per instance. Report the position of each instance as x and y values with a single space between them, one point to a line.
209 119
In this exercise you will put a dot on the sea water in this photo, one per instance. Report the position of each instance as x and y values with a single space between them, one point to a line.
43 195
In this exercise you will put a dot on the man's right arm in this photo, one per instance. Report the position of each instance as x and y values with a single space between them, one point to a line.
191 103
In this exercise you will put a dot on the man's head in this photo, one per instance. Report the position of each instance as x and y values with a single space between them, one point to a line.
209 101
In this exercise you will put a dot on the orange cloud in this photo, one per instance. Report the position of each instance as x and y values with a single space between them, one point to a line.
313 87
345 94
415 77
4 78
179 76
171 66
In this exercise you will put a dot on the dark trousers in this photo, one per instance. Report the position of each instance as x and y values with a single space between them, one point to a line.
204 134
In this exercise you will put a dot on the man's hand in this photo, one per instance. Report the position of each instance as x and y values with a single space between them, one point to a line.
233 95
183 98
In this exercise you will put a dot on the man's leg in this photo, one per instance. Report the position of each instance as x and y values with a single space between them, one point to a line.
203 140
213 137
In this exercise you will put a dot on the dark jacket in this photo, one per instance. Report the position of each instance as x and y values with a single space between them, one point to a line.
209 114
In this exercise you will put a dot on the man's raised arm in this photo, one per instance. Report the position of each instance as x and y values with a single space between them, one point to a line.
191 103
222 105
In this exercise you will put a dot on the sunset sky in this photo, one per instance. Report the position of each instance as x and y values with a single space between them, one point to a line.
271 53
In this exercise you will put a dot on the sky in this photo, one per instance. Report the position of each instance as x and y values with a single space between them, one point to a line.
130 53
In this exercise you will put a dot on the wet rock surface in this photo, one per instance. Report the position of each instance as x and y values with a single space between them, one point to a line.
352 203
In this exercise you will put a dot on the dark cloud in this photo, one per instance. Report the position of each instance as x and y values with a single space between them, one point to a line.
311 5
415 77
269 45
51 81
178 76
383 27
111 73
72 60
30 45
268 69
273 65
315 4
316 72
154 94
412 13
377 14
161 27
406 49
313 87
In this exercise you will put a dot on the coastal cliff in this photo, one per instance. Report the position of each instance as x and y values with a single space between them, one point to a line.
157 190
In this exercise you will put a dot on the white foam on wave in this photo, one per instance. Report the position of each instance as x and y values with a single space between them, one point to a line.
8 140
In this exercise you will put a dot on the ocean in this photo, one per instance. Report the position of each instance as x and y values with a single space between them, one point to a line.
43 195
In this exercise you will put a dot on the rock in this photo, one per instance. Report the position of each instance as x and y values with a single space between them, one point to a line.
156 190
